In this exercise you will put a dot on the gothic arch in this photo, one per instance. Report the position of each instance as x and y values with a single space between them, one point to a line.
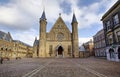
60 50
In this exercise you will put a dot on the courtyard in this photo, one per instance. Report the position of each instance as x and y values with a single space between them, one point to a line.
60 67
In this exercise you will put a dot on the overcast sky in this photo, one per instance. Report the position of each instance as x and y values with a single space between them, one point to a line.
21 17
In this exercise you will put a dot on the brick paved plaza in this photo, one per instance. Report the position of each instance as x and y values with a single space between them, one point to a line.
60 67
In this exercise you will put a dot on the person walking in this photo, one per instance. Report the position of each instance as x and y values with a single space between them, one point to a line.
1 60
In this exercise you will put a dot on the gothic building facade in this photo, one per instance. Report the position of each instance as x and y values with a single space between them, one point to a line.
59 42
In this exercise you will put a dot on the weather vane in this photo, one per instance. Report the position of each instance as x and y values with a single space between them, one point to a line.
60 14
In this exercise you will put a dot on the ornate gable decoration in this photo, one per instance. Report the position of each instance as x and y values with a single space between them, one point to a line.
60 25
59 31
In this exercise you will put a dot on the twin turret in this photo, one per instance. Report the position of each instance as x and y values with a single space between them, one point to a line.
42 36
75 46
42 45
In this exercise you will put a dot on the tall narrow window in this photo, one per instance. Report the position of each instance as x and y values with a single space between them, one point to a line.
118 36
110 39
69 49
108 25
116 19
50 50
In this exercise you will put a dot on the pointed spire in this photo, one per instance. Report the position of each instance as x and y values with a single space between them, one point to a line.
74 18
35 38
59 14
34 44
43 17
10 37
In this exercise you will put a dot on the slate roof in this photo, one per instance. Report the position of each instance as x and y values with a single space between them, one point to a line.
21 43
43 17
74 18
5 36
82 48
36 43
111 9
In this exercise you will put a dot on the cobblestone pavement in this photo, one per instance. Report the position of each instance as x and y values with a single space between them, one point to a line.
60 67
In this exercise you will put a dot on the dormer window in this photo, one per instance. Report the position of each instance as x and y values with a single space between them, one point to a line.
116 19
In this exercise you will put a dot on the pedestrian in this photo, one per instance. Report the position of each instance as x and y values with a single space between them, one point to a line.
1 60
73 56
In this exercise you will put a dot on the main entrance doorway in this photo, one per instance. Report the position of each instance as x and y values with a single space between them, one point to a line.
60 51
119 53
111 52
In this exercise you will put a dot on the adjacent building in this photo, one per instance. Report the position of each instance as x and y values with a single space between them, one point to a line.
36 48
89 47
99 44
59 42
86 49
111 24
10 48
29 52
21 49
6 45
82 51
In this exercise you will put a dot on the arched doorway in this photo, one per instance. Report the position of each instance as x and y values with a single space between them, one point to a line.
111 51
119 53
60 51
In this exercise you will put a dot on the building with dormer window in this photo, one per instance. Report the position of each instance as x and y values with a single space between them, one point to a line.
111 25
